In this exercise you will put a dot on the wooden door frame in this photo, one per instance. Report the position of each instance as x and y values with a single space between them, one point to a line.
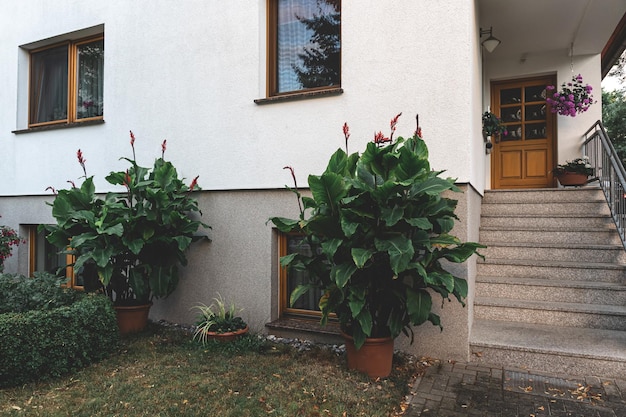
554 147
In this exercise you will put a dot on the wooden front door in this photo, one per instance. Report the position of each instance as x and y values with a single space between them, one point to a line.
523 158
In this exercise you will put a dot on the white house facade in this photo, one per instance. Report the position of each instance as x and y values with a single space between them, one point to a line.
203 75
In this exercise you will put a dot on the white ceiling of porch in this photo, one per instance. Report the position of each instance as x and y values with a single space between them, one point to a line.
536 27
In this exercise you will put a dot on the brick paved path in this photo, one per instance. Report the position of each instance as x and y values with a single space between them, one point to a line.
459 390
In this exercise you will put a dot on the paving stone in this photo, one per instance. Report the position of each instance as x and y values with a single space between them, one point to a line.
461 390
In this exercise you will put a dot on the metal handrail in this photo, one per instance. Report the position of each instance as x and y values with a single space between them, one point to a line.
610 172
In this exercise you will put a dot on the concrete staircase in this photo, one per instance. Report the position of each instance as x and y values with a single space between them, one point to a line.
551 293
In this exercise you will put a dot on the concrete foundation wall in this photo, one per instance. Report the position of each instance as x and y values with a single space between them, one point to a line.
241 262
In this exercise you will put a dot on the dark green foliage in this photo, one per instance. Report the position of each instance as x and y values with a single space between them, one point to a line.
129 243
614 119
39 344
379 228
43 292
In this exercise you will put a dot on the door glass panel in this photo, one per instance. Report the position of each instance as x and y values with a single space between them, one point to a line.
511 96
535 112
535 93
536 131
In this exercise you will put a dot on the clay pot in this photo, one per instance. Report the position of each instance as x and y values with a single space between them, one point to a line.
572 179
132 319
227 337
374 358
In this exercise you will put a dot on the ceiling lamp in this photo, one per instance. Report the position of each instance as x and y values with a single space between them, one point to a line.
491 42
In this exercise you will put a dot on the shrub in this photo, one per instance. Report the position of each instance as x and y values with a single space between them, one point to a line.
43 292
38 344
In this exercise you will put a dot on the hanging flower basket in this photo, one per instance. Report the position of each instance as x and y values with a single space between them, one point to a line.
572 99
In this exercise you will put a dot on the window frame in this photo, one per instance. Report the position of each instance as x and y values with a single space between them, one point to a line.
33 236
272 60
284 309
72 79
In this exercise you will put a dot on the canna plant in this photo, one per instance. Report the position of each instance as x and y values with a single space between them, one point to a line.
129 243
379 229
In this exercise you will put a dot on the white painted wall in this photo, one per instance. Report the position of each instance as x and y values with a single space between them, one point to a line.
188 71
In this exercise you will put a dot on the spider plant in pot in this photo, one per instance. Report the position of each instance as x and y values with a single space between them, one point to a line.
219 321
128 244
379 228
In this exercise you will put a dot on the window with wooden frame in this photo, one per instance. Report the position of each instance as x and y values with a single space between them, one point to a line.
304 46
45 257
308 304
66 82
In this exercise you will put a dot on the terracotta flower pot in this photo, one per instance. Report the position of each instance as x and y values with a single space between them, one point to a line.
132 319
572 179
375 357
227 337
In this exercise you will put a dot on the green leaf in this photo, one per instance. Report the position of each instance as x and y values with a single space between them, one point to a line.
340 274
298 292
327 189
286 260
400 250
391 215
361 256
431 186
285 225
420 223
338 163
365 321
419 304
329 247
163 281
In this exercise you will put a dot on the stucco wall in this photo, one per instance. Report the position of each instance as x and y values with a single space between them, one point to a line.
188 72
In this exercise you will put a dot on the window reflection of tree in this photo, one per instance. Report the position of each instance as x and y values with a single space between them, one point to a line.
321 59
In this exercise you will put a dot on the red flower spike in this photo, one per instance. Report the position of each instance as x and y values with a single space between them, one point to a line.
163 147
132 139
79 155
127 180
394 122
193 183
71 182
346 134
379 138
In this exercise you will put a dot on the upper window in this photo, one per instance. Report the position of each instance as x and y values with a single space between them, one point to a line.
305 45
66 82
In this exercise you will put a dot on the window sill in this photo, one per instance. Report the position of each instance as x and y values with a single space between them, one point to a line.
300 96
58 126
308 328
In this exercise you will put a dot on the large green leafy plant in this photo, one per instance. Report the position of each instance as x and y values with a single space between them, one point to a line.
379 229
129 243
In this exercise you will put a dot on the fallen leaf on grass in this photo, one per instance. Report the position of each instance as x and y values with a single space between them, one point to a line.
526 389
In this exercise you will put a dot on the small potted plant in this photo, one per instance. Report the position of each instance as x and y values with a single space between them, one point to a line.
128 244
379 229
492 126
573 98
219 321
574 172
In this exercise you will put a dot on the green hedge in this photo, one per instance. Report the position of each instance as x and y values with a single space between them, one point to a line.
43 292
38 344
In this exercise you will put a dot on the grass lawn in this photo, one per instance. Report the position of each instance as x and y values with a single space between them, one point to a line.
162 372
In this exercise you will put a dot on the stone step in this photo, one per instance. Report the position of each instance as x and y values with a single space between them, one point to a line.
519 234
563 221
568 291
598 207
546 251
557 349
597 316
544 195
552 269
